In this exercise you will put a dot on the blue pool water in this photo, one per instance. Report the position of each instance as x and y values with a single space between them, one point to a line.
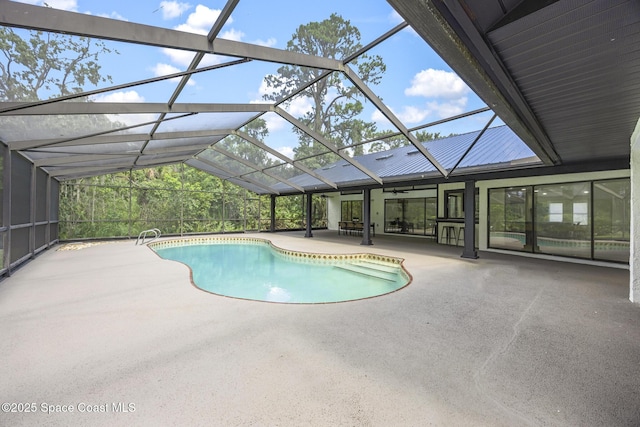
258 272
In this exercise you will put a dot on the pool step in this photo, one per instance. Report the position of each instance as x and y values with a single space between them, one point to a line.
366 270
377 266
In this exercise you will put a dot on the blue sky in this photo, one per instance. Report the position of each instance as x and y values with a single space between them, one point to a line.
418 86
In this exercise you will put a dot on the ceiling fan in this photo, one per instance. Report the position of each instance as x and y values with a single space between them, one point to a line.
396 191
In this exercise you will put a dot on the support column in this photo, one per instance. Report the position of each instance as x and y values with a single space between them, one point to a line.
32 209
634 251
272 226
366 207
6 207
308 232
469 220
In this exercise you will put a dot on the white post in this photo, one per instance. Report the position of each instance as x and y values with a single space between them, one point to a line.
634 259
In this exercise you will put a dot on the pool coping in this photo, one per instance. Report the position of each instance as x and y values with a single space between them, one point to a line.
308 257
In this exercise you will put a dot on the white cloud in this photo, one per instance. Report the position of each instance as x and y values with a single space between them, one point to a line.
275 123
412 114
297 107
287 151
126 96
173 9
269 43
180 57
408 115
183 58
417 115
446 93
235 35
448 108
378 117
264 89
70 5
432 83
112 15
161 69
201 20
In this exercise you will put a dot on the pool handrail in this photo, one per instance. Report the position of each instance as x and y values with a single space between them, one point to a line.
143 235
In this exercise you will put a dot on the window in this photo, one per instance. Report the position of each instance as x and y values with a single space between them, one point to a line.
581 213
510 222
455 204
612 219
410 216
351 210
583 219
555 212
561 225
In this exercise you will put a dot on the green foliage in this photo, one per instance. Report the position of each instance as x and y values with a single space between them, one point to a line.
256 129
55 64
177 199
46 65
123 204
290 212
335 103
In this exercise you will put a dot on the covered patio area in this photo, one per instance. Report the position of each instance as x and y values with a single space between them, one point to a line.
526 342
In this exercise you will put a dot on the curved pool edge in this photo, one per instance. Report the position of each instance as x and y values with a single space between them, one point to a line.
311 257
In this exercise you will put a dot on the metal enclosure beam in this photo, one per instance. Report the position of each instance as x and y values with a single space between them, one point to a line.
118 138
309 216
62 108
58 21
393 119
429 23
256 167
322 140
284 158
232 174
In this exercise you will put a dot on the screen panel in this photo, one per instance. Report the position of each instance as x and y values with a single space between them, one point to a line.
20 190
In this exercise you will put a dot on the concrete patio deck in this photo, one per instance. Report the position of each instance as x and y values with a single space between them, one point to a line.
497 341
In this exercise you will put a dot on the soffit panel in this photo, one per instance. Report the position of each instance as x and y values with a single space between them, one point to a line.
577 66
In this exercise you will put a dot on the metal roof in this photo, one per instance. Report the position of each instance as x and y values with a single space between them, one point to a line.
563 75
497 148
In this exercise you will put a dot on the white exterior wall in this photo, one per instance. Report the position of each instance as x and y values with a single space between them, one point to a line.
634 262
377 210
333 210
378 197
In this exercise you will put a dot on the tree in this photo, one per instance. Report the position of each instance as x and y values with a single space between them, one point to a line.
47 65
335 103
256 129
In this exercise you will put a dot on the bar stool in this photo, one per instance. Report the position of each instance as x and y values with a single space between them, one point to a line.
460 232
449 231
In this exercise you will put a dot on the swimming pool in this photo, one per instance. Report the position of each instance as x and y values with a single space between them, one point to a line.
255 269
